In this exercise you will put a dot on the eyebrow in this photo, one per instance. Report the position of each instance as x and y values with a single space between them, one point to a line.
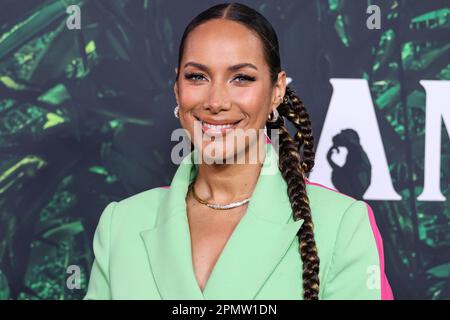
230 68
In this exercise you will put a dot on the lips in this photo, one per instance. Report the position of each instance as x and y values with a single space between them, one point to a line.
218 126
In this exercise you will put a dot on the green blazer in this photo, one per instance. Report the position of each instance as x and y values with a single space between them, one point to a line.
142 245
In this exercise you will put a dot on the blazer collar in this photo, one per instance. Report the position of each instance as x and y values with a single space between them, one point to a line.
256 246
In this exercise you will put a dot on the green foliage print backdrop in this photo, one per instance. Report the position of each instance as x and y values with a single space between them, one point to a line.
86 117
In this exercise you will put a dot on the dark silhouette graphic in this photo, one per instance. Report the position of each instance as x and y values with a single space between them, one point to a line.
353 178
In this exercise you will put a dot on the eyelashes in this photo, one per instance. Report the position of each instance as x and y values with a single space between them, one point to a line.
193 77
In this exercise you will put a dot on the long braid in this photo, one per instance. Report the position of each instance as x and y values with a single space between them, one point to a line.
293 164
299 116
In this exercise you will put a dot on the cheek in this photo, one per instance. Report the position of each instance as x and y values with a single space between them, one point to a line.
256 107
192 96
253 103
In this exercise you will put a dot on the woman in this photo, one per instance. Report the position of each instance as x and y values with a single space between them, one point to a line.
226 230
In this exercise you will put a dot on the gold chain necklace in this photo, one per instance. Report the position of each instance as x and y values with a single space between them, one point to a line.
214 205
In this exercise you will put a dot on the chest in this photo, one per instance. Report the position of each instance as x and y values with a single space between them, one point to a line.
210 231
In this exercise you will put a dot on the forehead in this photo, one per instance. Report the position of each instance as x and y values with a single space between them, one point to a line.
219 43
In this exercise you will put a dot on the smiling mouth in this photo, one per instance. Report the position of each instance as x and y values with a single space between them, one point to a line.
219 128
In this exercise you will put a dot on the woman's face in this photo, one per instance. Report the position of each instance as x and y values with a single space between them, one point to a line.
216 98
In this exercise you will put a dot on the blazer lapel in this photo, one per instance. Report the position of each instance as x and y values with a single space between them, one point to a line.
168 243
254 249
169 252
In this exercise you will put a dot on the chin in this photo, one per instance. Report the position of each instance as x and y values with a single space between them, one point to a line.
224 148
216 153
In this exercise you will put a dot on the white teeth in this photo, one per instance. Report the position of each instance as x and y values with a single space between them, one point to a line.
218 127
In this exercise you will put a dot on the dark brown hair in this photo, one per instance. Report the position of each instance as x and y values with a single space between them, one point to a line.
296 153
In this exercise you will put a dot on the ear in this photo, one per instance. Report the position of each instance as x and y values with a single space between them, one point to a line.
279 90
175 87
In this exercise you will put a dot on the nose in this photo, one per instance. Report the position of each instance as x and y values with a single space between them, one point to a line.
218 99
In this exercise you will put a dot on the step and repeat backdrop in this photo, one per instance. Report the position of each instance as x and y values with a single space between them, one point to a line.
86 116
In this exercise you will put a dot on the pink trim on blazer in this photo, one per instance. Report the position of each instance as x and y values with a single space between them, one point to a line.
386 291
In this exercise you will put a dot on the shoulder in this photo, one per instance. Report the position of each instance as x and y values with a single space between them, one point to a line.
327 204
151 197
138 211
332 209
337 216
316 189
350 246
333 205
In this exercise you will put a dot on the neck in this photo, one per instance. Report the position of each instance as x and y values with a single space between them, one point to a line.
225 183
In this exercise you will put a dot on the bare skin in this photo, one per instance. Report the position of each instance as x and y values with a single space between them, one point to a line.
223 95
210 232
